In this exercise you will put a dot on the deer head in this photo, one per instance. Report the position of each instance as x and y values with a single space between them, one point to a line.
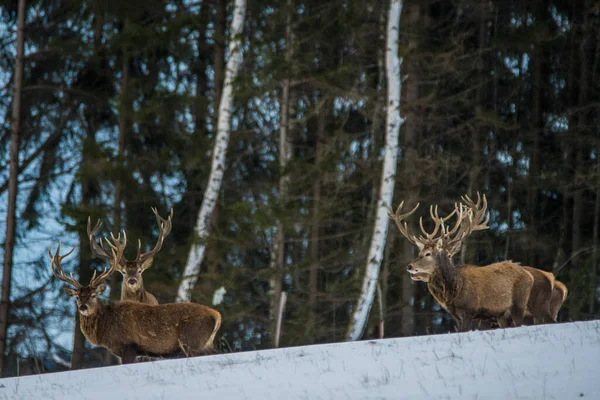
132 270
443 240
86 296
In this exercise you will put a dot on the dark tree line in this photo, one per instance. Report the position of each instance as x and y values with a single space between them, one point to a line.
118 114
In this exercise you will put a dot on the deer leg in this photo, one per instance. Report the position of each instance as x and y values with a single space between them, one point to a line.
128 354
463 321
517 312
467 323
502 321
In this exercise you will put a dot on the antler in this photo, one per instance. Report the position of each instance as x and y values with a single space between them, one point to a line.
116 249
430 238
402 226
476 220
57 270
426 239
480 216
164 226
97 249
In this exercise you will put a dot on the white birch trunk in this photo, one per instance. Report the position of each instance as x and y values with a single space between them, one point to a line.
388 176
192 267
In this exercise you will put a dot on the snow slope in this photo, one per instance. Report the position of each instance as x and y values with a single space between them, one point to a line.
559 361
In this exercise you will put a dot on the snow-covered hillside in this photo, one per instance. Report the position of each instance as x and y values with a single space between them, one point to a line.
559 361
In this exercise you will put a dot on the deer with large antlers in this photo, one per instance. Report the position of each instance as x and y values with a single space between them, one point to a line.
466 292
132 288
128 329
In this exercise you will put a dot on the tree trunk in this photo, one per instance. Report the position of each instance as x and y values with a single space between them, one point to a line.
192 268
314 234
578 146
594 274
212 251
407 165
278 250
467 257
358 319
87 171
11 214
219 55
596 252
537 128
124 108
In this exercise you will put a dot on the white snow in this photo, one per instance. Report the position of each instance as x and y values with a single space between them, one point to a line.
558 361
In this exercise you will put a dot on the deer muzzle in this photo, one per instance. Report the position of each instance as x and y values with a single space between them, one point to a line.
132 281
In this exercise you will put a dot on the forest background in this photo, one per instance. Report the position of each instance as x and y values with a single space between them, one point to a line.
119 109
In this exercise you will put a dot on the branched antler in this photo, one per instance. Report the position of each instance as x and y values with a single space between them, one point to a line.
57 268
470 216
97 249
402 226
164 226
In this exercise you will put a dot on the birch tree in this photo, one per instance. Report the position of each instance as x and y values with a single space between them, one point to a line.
360 315
9 243
201 230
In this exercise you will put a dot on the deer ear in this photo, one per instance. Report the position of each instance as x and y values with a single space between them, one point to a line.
147 264
420 245
69 291
100 288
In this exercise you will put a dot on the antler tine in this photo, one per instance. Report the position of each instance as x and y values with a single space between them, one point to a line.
164 226
116 249
438 221
460 230
57 271
480 216
459 219
98 250
403 227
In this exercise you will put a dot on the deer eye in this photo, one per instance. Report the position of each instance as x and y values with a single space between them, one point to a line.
428 254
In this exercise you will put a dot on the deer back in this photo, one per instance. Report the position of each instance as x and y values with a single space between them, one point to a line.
490 290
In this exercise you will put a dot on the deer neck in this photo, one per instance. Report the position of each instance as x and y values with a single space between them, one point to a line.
133 295
91 325
445 282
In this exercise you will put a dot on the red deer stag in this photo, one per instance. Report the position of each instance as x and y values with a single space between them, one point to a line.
539 303
132 288
466 292
128 329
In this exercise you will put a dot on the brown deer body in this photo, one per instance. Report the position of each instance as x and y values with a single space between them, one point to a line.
132 288
466 292
129 329
538 306
470 292
478 323
559 295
